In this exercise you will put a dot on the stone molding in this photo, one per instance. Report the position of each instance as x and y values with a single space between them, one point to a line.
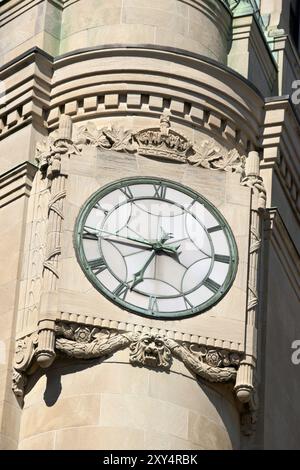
184 100
30 73
16 183
177 335
280 146
14 8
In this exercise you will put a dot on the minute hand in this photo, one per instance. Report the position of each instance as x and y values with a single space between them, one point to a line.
152 244
138 240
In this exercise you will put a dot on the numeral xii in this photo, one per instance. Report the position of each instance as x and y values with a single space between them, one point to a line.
160 191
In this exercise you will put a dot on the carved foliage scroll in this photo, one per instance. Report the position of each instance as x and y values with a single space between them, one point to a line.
163 143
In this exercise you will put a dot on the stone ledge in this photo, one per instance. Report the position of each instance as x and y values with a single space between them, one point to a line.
16 183
280 142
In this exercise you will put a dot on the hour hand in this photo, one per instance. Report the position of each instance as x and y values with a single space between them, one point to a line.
138 277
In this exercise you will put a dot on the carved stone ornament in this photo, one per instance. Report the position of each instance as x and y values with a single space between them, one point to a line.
150 350
163 143
256 183
195 362
146 349
92 344
116 139
50 150
212 156
24 354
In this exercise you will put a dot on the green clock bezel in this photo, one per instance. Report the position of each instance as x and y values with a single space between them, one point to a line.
90 203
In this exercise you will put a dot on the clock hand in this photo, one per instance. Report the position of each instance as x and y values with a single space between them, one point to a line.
151 244
145 242
176 241
167 247
164 235
139 275
128 243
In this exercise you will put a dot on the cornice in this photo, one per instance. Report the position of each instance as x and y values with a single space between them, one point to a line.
22 59
53 86
27 82
281 141
249 24
16 183
225 106
110 48
11 9
32 52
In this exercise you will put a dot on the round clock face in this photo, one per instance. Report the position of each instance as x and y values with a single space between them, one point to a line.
155 247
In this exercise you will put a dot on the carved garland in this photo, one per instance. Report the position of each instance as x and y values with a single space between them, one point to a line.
145 349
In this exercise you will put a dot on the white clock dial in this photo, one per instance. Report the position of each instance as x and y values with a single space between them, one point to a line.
156 247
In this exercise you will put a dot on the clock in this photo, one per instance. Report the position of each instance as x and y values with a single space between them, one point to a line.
155 247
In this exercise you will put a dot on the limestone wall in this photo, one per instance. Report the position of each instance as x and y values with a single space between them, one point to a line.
112 405
196 26
200 26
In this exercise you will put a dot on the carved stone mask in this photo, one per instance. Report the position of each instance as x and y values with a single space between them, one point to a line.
150 350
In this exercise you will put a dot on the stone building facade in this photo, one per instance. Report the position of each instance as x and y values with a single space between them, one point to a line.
200 93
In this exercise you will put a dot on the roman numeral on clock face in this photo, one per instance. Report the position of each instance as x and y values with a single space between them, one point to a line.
160 191
211 285
89 234
217 228
153 305
121 291
127 191
97 265
100 208
188 304
222 258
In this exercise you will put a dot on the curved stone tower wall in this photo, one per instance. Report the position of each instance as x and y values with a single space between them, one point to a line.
113 405
199 26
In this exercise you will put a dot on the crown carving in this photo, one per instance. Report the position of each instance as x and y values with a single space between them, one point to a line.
163 142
